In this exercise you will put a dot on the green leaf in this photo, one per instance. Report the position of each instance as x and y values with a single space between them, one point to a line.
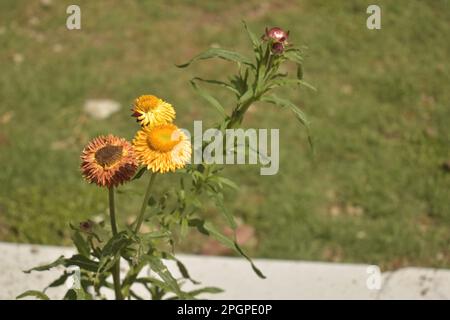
139 173
135 295
71 294
183 270
224 210
294 56
82 295
208 229
240 82
301 117
33 293
205 290
81 244
283 82
225 181
219 83
218 53
58 262
82 262
246 96
111 252
199 224
61 280
255 40
159 267
183 227
115 244
213 101
155 282
242 253
155 235
77 294
151 201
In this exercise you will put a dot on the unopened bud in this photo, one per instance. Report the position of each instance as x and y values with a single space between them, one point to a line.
86 226
276 34
277 48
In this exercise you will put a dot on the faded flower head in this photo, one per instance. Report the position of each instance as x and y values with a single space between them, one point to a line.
162 148
151 110
108 161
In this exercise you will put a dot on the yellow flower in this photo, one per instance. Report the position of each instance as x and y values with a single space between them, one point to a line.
162 148
151 110
108 161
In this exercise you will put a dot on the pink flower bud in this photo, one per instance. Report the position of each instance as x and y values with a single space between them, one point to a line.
276 34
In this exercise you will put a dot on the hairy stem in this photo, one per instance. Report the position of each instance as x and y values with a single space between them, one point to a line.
116 268
145 203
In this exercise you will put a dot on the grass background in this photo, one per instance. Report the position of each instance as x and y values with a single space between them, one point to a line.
374 192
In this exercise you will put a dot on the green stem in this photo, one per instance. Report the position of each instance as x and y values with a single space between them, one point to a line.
112 211
116 279
116 267
145 203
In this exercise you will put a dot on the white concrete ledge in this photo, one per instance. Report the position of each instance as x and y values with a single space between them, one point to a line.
285 279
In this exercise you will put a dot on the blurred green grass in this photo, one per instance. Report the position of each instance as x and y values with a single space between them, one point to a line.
374 192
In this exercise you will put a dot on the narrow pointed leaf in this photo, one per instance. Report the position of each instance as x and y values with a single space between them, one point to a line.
212 101
58 262
206 290
294 56
219 83
181 267
81 244
218 53
159 267
82 262
33 293
209 229
225 212
60 281
283 82
252 36
300 115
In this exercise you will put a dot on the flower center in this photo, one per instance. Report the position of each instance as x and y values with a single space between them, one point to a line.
108 155
147 102
163 138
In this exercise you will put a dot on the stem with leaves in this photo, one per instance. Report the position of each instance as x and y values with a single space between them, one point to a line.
99 255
